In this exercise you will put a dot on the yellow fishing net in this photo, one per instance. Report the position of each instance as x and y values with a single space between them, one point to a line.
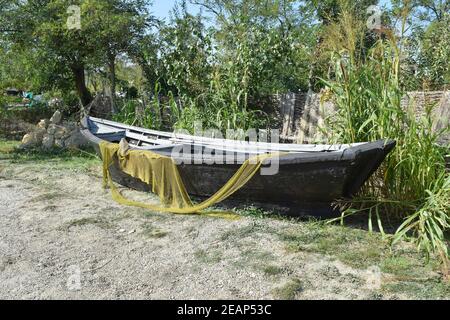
161 173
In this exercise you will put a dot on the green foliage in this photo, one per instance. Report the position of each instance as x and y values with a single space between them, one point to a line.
427 49
58 56
223 106
267 60
185 53
432 220
434 54
135 112
221 75
3 110
412 182
272 43
329 11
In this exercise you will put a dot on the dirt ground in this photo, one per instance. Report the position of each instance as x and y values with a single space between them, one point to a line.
63 237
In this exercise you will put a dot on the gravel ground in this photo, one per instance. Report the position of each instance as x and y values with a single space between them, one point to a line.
62 237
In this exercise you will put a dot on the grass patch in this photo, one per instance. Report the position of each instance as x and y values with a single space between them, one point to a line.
255 212
8 146
407 271
210 256
100 222
257 260
257 255
50 208
150 231
272 270
48 197
356 248
426 289
72 159
238 233
289 290
399 265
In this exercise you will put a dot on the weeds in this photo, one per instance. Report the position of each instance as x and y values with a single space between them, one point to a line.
100 222
223 106
209 257
289 290
151 232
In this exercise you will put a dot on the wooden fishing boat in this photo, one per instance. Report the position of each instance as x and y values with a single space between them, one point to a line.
308 180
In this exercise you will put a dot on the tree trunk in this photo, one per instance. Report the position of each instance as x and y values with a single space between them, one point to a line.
80 82
112 79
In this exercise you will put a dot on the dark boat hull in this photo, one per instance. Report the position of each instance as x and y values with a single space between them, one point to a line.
306 184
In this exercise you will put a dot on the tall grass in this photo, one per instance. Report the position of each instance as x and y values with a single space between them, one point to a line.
412 183
222 106
147 114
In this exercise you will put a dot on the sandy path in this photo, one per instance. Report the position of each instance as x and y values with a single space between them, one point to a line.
62 237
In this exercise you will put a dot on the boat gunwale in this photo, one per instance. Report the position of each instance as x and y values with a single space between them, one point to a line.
191 139
346 154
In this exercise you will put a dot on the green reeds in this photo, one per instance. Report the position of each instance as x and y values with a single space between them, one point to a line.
412 183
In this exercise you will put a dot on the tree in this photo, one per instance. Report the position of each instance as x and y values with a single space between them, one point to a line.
342 27
186 52
426 49
146 53
329 10
269 40
115 26
432 35
431 10
42 26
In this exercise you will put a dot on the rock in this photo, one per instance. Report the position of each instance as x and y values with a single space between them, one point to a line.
39 133
51 129
29 140
33 139
60 132
76 140
57 131
70 126
43 124
59 143
48 141
56 118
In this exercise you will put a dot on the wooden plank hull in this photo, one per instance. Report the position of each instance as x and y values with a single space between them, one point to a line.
307 183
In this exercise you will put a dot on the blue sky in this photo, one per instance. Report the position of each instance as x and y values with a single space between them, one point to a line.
161 8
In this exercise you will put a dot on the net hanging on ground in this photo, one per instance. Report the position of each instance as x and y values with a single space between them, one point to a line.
161 173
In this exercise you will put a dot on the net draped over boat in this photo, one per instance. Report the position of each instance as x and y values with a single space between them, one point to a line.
161 173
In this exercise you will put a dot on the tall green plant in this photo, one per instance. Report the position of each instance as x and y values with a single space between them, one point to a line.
223 106
137 112
412 183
